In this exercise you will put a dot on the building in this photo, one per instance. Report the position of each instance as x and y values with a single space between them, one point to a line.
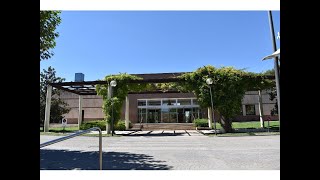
170 107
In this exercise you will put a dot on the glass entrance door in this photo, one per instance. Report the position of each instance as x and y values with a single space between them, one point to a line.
180 115
187 115
154 116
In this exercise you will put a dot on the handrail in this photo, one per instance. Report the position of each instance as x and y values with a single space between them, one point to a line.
77 134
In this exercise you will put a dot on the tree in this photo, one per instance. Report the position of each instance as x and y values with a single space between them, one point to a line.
228 89
58 107
269 72
272 93
49 20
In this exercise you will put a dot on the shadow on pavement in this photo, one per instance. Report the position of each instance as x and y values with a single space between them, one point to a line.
70 160
156 134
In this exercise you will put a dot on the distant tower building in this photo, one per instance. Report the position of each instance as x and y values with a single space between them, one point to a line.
79 77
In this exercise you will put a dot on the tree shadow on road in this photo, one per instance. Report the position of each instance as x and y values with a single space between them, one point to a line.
84 160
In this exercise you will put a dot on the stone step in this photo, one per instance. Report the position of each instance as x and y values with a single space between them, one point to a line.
166 126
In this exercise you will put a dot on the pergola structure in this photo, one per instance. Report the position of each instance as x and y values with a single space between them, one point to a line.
88 88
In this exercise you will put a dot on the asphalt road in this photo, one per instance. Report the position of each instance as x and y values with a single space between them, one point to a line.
195 152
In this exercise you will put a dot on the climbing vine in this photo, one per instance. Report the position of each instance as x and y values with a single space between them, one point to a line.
228 89
120 92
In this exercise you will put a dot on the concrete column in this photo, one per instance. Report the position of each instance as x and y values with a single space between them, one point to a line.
47 111
210 117
243 110
260 109
127 113
80 111
108 126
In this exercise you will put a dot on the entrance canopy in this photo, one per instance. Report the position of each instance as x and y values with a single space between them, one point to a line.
88 87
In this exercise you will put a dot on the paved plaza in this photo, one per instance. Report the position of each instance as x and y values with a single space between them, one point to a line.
163 150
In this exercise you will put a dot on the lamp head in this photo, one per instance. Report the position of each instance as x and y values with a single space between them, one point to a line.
113 83
209 81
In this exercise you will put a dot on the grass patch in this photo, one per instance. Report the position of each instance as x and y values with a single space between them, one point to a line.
254 125
246 134
60 129
274 125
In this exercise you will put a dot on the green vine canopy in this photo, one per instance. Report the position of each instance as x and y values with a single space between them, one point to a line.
228 89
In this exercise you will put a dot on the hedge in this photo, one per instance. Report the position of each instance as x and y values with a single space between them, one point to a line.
201 123
90 124
120 126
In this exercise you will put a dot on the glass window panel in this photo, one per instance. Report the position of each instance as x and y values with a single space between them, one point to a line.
195 102
250 110
184 101
142 110
196 113
154 102
173 117
165 117
169 102
173 110
142 103
141 115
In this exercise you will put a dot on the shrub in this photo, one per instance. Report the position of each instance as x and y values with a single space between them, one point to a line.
101 124
201 123
120 126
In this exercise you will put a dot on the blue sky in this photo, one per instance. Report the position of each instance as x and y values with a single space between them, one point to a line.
98 43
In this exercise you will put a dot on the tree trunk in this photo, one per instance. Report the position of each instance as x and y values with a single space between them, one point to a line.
226 125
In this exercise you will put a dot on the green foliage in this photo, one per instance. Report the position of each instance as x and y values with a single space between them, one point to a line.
273 95
49 20
166 86
269 72
273 92
58 107
100 123
63 130
201 123
119 93
228 89
120 126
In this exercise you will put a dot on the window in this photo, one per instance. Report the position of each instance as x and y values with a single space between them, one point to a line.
250 110
184 101
169 102
154 102
142 103
195 102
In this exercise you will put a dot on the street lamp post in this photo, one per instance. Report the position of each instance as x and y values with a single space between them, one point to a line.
276 62
209 82
113 84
